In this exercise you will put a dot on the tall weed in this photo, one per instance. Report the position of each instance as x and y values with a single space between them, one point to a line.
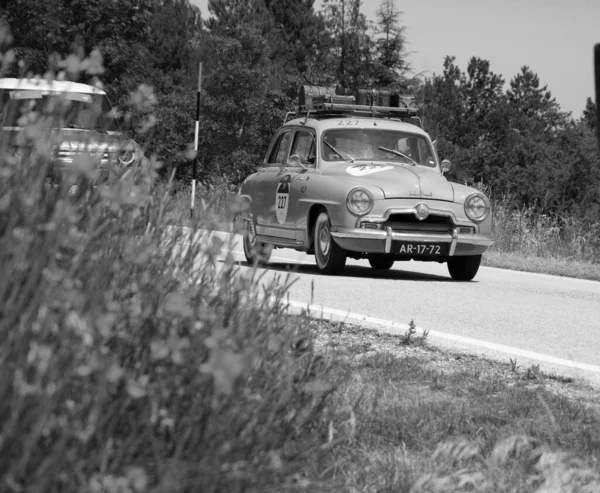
135 356
527 231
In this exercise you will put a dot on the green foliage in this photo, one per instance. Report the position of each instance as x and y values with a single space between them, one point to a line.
352 45
390 63
136 356
519 143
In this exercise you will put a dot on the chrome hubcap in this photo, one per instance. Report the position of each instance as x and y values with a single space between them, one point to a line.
250 237
324 241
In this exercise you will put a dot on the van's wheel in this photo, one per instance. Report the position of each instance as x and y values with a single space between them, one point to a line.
380 262
330 257
464 268
256 252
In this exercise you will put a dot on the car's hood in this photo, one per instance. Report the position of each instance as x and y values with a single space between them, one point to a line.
398 181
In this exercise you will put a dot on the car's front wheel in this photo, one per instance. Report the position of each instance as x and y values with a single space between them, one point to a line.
330 257
381 262
255 251
464 268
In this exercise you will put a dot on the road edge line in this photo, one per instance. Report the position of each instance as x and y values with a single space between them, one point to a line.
335 315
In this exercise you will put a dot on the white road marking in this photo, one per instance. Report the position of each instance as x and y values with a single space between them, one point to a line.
398 328
333 314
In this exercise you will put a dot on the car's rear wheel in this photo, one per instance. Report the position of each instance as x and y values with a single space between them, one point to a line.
256 252
330 257
464 268
381 262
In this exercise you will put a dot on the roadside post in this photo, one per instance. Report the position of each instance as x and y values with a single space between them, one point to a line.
597 76
196 130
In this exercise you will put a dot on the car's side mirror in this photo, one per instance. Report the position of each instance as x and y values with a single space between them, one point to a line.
446 165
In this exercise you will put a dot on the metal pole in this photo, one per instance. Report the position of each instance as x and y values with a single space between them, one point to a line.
196 130
597 77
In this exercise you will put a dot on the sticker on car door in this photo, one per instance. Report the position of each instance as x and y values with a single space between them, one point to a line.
282 198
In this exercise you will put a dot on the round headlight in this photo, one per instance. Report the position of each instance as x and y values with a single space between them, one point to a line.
126 157
477 207
359 201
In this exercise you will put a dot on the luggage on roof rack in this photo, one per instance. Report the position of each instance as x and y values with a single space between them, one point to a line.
324 100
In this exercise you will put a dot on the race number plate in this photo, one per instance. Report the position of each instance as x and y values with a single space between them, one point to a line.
426 249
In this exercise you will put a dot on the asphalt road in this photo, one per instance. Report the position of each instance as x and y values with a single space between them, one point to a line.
531 318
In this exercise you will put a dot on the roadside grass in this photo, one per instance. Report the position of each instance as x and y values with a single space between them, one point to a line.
542 265
414 418
529 241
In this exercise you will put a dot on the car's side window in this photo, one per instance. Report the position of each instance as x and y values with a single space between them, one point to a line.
304 146
425 153
279 149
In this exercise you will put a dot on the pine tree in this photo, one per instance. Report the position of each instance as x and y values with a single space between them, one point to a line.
590 113
391 60
352 47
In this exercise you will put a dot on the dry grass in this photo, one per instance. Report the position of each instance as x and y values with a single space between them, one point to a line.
421 420
542 265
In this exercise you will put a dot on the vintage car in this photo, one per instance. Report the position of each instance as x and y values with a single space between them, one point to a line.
356 176
74 119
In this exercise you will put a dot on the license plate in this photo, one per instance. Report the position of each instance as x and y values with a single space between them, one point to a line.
414 248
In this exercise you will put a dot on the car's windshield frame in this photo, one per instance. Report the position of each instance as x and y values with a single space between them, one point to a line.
377 144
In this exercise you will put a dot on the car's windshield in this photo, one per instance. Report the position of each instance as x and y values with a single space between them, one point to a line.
67 109
377 145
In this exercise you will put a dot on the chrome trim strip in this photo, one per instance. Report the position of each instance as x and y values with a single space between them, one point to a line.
454 241
388 240
375 234
272 240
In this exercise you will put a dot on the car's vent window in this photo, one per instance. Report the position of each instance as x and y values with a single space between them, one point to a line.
279 149
304 147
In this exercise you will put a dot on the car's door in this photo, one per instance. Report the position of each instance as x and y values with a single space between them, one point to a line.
266 183
301 166
289 166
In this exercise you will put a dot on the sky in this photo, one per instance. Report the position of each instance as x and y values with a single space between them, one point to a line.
555 38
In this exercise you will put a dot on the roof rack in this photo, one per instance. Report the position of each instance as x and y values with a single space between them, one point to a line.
323 101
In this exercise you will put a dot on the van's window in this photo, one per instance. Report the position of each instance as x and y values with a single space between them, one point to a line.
62 109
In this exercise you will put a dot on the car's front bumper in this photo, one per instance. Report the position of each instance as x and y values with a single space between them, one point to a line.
384 241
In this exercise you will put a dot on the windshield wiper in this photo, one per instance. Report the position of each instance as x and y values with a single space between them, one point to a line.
339 153
398 153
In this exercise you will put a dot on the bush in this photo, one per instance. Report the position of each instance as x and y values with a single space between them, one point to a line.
138 357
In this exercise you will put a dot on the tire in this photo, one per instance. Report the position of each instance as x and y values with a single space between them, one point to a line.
381 262
330 257
464 268
256 252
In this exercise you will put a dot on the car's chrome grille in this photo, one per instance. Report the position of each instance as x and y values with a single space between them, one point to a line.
68 155
409 222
